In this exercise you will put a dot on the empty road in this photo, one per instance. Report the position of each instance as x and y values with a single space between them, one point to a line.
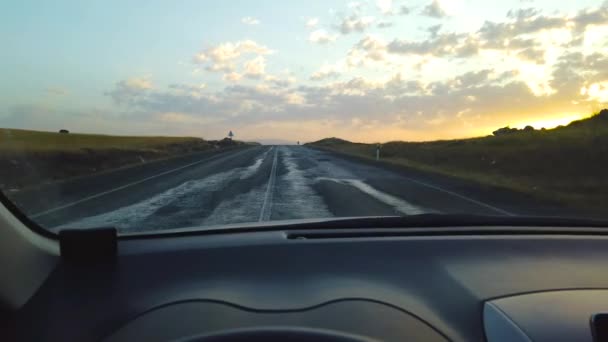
258 184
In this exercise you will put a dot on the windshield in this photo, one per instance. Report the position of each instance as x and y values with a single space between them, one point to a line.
162 115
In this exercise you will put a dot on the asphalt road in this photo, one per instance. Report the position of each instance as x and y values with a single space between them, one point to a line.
261 183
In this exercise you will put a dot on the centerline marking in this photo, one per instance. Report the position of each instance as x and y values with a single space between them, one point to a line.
266 210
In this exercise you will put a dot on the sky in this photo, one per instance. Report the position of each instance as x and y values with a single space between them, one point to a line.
369 70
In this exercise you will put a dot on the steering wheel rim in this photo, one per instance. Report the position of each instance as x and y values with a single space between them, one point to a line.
270 334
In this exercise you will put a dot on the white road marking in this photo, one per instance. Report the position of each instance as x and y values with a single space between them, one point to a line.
82 200
267 205
395 202
252 169
455 194
434 187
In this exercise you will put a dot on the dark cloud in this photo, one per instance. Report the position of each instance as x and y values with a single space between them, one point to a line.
434 30
575 70
433 10
404 10
532 55
354 23
472 79
441 45
129 92
496 34
587 17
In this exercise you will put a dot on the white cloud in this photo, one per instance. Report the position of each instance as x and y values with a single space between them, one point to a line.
139 83
596 92
369 50
255 68
232 77
385 6
250 21
326 71
312 22
321 36
222 56
226 56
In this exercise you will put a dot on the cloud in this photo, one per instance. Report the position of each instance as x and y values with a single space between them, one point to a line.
385 6
368 50
440 45
524 22
250 21
223 56
232 77
129 91
384 24
138 83
321 36
255 68
533 55
312 22
433 10
355 23
326 72
588 17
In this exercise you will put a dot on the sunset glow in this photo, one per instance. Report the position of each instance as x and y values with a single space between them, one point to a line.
303 70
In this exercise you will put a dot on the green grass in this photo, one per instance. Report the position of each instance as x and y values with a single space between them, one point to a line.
31 158
568 164
25 141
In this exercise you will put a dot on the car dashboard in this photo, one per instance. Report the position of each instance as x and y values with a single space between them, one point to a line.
427 284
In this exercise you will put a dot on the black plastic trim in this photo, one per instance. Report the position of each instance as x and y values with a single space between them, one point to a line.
88 245
31 224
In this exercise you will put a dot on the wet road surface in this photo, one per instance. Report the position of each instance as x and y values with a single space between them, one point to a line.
258 184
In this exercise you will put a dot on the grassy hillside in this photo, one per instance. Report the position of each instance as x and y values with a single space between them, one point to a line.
569 164
29 158
19 141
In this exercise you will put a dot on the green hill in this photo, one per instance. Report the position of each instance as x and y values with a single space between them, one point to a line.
568 164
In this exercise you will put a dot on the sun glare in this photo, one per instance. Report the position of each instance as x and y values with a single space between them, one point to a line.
549 123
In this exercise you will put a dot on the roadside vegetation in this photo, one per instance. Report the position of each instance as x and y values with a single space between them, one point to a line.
568 164
30 158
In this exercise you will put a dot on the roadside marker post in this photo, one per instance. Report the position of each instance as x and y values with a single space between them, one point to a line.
378 152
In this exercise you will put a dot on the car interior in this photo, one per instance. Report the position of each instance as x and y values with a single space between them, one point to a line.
422 278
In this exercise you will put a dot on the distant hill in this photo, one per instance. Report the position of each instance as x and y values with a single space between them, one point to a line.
567 163
276 142
329 142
